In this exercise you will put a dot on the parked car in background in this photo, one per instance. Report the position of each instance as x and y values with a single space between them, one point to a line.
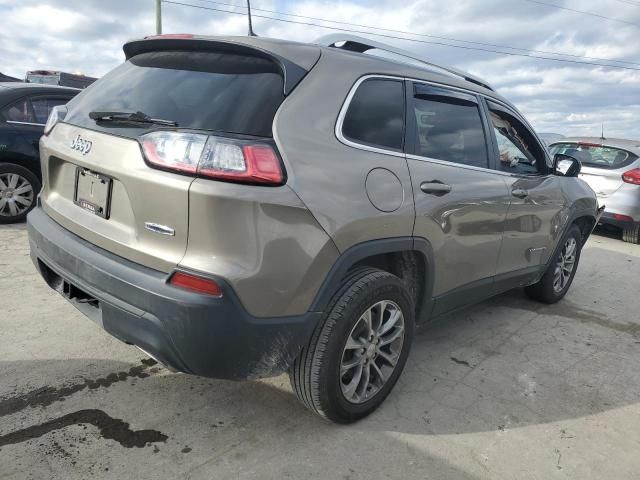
240 210
62 79
549 138
612 168
24 109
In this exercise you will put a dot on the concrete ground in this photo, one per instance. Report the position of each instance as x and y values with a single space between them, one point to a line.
508 389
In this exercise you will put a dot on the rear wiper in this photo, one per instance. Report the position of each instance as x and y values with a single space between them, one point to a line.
136 117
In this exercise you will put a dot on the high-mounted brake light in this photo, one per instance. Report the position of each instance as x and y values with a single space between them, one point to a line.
589 144
230 159
195 283
169 35
632 176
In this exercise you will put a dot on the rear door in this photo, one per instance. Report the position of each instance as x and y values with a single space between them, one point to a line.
538 207
461 203
19 133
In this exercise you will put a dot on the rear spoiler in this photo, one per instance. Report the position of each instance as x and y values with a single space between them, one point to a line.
292 73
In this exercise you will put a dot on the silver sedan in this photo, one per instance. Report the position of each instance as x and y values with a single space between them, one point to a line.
611 167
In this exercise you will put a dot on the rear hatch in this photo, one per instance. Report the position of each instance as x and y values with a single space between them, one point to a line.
98 180
602 165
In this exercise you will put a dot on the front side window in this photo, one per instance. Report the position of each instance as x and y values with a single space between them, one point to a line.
448 127
19 112
376 114
42 107
518 150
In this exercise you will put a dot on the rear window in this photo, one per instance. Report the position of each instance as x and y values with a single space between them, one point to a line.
596 156
199 90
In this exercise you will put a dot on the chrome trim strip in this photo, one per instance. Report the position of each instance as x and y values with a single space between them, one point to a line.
161 229
26 123
368 148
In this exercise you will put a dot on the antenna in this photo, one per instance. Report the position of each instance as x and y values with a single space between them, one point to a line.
602 134
251 32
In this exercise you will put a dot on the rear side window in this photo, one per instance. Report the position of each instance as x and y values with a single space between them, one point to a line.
222 92
376 114
20 111
449 127
519 152
595 155
42 107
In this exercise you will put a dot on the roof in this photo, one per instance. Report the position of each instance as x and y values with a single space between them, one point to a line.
359 44
8 78
305 55
34 86
607 142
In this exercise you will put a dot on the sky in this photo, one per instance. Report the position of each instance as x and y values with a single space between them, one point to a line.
562 97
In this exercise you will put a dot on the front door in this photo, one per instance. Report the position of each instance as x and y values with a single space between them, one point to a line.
538 209
461 203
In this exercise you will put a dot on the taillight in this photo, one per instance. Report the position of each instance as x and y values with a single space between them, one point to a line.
174 150
632 176
245 161
622 218
195 283
57 115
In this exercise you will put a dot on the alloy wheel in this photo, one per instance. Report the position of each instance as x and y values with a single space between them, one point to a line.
565 264
372 351
16 194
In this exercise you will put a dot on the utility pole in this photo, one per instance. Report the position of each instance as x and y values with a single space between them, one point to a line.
158 17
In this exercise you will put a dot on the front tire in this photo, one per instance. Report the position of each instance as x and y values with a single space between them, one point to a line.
555 282
19 188
359 350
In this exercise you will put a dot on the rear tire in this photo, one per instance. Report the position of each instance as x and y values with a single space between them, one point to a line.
631 234
19 188
555 282
358 350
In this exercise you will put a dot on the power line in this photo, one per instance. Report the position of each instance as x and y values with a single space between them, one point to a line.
404 32
629 2
553 5
404 38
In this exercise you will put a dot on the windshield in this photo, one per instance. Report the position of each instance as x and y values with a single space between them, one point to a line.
596 156
198 90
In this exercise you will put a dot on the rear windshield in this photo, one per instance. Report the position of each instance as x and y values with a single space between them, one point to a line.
595 156
198 90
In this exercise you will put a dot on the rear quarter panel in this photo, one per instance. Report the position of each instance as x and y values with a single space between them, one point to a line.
329 176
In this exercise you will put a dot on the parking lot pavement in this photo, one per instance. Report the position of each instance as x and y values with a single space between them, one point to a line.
507 389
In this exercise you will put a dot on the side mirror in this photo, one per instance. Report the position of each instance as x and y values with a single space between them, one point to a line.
566 165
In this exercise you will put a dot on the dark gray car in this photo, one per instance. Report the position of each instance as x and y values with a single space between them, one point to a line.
239 207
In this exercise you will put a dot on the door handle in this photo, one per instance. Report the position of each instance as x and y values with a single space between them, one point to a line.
435 187
519 193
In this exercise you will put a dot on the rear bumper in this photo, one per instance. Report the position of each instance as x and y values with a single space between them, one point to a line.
623 203
608 218
192 333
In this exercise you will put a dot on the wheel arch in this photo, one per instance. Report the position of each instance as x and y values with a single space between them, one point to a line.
30 164
409 258
586 223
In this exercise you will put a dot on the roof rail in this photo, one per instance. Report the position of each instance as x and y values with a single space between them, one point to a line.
354 43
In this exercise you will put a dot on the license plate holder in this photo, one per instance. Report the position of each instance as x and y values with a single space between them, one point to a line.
93 192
